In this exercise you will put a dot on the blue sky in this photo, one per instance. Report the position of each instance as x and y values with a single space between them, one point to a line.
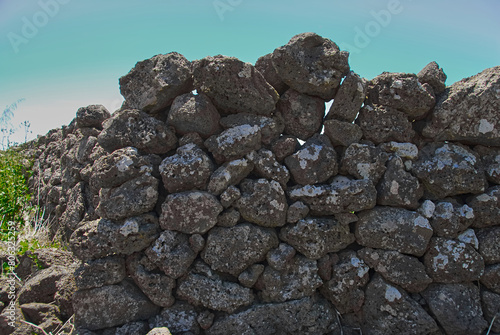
60 55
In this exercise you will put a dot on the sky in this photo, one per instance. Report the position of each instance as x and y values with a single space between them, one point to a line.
59 55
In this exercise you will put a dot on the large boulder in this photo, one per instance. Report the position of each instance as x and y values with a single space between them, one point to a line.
91 116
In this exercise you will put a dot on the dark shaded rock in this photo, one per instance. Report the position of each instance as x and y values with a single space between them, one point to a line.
433 75
84 150
450 261
134 128
311 315
348 99
228 174
229 196
96 273
343 195
262 202
110 306
206 319
490 160
381 124
179 318
249 277
491 278
489 244
403 270
194 113
281 257
486 207
43 285
153 83
296 211
394 229
402 91
197 242
101 238
364 161
342 133
91 116
192 138
448 169
399 187
271 126
11 322
389 310
303 114
234 249
76 207
229 218
234 143
468 111
265 66
311 64
450 219
284 147
172 253
132 198
44 315
315 162
266 166
188 169
300 279
344 289
130 328
234 86
491 309
192 212
314 238
447 301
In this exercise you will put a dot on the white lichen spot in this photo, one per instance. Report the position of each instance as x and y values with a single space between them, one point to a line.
277 205
392 294
467 212
422 222
469 237
129 227
246 72
427 209
394 187
308 154
484 197
397 84
444 211
364 170
485 126
360 88
440 262
308 191
124 164
397 97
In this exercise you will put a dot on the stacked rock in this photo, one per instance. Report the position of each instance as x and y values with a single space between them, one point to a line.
220 199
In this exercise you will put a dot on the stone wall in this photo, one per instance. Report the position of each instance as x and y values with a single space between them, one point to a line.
223 199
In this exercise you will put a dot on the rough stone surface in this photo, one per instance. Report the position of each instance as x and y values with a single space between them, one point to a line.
449 261
234 86
190 168
447 302
234 249
342 133
315 162
229 218
448 169
179 318
490 160
403 270
234 143
134 128
296 211
265 66
394 229
43 285
229 196
153 83
468 111
311 64
349 98
281 257
433 75
364 161
91 116
104 271
284 147
491 278
249 277
266 166
486 208
489 244
402 150
262 202
303 114
192 212
228 174
314 238
271 126
389 310
192 113
491 309
450 219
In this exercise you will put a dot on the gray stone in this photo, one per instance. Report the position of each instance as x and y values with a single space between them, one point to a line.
84 151
314 238
232 250
229 196
153 83
179 318
486 207
134 128
450 219
447 301
433 75
300 279
229 218
311 64
266 166
448 169
468 111
172 253
281 257
249 277
44 315
389 310
262 202
489 244
271 126
349 98
234 86
130 328
76 207
402 150
192 212
190 168
315 162
228 174
110 306
342 133
343 195
91 116
399 187
364 161
469 237
491 309
192 113
205 319
197 242
394 229
450 261
490 160
302 113
96 273
284 147
132 198
403 270
491 278
403 92
234 143
265 66
42 287
296 211
192 138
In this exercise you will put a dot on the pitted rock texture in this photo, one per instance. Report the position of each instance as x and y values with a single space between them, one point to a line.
271 126
349 98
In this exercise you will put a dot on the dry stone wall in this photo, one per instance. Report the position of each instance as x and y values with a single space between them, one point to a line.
220 199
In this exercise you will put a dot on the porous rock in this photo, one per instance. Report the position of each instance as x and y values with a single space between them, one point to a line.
42 287
91 116
229 196
234 143
489 244
249 277
46 316
179 318
271 126
486 207
229 218
100 272
342 133
228 174
491 309
491 278
450 219
490 160
349 98
364 161
284 147
265 66
433 75
281 257
266 166
296 211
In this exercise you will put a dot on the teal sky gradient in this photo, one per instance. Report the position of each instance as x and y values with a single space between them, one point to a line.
77 57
